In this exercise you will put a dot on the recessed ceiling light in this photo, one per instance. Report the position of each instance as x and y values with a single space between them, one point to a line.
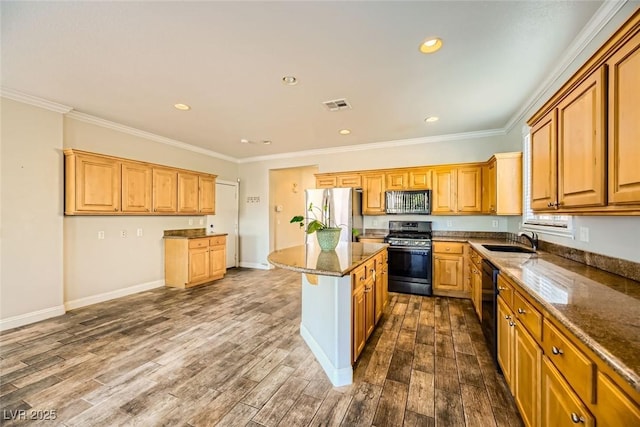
266 142
344 132
244 141
431 119
430 45
290 80
183 107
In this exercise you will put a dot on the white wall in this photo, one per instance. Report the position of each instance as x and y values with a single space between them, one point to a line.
98 269
31 220
254 217
608 235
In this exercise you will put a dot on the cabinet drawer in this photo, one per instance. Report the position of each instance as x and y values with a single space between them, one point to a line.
218 240
506 291
528 316
198 243
475 258
358 278
448 247
574 365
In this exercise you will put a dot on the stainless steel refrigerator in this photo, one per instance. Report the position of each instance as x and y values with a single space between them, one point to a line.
344 208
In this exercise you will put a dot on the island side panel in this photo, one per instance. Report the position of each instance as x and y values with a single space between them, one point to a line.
326 325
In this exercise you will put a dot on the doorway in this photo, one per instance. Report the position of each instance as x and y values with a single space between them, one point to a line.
286 199
226 217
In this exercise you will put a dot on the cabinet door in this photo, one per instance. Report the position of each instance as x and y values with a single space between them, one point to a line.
420 179
198 264
187 192
560 406
165 190
506 331
397 180
370 308
469 189
217 261
379 292
351 180
489 194
624 124
614 407
97 184
373 194
544 163
476 289
330 181
526 373
358 322
136 187
444 191
581 144
448 272
206 194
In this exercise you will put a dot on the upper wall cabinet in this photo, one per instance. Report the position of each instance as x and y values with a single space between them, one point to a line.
457 190
584 140
96 184
373 188
624 124
92 184
332 180
502 184
408 179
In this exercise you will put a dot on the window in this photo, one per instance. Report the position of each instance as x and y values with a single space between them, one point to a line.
560 225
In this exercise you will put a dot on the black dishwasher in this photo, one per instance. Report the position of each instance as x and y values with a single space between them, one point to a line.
490 307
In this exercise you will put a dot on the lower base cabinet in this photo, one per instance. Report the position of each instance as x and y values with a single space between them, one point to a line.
554 379
192 262
368 299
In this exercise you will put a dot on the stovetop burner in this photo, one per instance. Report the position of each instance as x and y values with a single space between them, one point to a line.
409 233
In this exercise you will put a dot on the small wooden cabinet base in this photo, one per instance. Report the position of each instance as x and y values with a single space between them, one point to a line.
192 262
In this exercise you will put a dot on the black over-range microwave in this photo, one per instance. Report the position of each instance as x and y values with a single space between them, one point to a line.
416 202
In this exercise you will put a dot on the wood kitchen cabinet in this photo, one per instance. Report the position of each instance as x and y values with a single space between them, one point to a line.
165 190
207 194
457 190
136 187
502 184
448 269
326 181
559 404
333 180
397 180
420 179
369 297
188 192
192 262
505 340
373 188
92 183
475 279
353 180
568 150
624 124
584 140
408 179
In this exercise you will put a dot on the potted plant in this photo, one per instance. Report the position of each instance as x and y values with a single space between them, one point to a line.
328 235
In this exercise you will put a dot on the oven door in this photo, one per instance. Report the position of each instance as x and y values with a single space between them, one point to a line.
410 270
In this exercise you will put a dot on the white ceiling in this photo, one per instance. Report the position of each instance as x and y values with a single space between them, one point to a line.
129 62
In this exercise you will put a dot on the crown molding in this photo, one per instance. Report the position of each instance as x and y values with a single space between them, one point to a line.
377 145
34 100
88 118
596 24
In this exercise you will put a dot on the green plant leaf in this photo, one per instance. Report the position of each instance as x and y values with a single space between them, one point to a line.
297 218
314 226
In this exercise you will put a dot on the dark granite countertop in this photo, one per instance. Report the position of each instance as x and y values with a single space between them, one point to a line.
190 233
311 259
602 309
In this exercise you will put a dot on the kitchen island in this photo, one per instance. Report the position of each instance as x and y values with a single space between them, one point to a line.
332 314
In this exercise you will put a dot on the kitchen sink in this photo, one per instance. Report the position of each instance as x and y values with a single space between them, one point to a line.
508 248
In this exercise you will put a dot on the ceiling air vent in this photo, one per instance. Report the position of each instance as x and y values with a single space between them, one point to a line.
337 105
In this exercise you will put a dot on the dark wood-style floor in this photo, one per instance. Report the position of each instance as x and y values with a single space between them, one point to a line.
230 354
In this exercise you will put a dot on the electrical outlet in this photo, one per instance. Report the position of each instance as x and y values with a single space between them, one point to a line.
139 232
449 223
584 234
190 221
100 235
123 234
494 223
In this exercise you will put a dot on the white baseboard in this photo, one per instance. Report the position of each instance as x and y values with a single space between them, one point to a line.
27 318
255 265
94 299
338 377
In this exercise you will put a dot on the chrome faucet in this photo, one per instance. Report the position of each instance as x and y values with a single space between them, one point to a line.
533 239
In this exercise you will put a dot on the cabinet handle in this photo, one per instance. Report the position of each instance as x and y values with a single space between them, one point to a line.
502 288
512 323
507 317
555 350
521 311
448 249
576 418
549 205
